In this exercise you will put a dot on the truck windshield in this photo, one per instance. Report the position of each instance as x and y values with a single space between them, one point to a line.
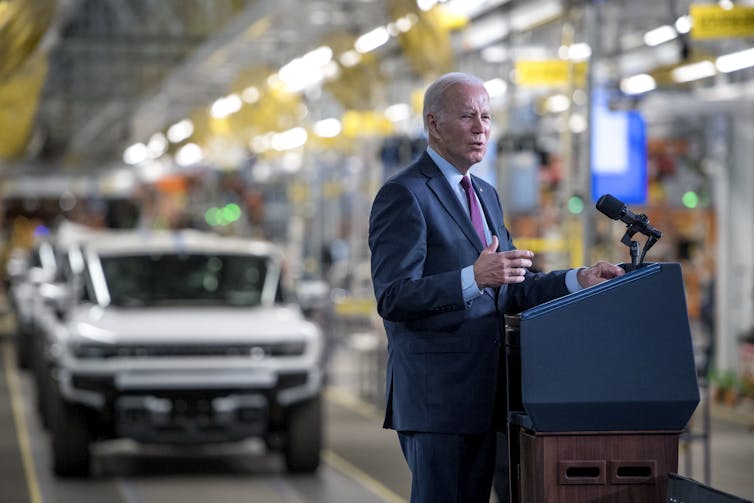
179 279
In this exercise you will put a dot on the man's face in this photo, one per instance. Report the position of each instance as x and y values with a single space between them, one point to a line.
460 133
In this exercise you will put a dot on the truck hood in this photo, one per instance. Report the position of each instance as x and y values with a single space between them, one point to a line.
202 325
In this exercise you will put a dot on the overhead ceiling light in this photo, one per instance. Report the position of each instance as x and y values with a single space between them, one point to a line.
180 131
557 103
638 84
328 128
577 123
189 154
472 8
694 71
135 154
250 95
320 56
372 40
405 23
398 112
496 87
223 107
289 139
308 70
683 24
735 61
349 58
579 51
425 5
664 33
157 145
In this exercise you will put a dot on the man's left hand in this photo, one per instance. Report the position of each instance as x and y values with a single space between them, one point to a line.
599 272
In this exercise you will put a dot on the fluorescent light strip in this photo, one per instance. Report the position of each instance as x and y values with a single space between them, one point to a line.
694 71
735 61
638 84
664 33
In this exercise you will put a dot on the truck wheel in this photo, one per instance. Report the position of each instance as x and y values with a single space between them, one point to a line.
23 349
304 436
40 373
70 439
45 390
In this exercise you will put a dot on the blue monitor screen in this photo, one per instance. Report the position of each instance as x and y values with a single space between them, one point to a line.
618 153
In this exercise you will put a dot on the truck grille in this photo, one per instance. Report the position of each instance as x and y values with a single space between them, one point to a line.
257 351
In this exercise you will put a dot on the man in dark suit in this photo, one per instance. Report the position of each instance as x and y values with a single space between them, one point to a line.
445 270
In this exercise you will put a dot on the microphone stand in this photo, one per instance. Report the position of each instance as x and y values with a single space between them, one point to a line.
634 252
636 260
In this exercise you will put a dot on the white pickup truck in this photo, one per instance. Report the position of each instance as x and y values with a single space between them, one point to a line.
180 338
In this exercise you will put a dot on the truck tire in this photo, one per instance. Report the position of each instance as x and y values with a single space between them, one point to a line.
304 436
23 349
71 456
41 373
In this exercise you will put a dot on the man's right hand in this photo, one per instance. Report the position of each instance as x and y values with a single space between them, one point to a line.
494 268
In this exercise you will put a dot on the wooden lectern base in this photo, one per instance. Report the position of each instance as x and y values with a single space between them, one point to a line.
599 467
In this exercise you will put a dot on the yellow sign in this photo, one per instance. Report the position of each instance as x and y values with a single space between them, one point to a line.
713 21
363 123
355 307
550 72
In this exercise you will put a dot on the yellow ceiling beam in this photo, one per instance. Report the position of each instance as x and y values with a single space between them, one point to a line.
22 26
19 99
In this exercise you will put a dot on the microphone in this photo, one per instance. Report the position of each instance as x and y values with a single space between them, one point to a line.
616 209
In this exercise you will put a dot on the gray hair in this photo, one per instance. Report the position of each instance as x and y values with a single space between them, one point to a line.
433 96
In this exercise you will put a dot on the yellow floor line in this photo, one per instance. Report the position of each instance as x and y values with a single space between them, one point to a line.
362 478
17 405
351 402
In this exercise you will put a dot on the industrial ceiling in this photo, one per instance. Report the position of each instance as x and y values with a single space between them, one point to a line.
81 80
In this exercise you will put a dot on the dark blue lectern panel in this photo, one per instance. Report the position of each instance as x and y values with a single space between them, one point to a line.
617 356
685 490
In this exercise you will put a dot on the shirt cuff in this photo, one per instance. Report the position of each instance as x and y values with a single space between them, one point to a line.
468 284
572 281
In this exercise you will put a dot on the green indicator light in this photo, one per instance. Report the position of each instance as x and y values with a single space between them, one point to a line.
690 199
212 216
575 205
231 212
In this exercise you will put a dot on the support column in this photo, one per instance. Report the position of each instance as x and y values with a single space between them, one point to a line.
734 184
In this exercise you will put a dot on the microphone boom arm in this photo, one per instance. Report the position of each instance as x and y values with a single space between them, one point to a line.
638 226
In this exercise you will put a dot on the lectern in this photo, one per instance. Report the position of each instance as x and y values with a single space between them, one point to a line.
600 384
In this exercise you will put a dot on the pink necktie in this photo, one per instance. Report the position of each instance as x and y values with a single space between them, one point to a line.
476 216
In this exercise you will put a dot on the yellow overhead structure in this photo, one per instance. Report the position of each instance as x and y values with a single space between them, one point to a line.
22 69
274 109
19 99
22 26
427 44
365 123
359 83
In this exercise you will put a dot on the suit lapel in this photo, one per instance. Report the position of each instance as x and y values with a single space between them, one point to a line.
445 196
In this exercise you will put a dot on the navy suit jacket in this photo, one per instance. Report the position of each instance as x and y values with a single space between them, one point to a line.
444 370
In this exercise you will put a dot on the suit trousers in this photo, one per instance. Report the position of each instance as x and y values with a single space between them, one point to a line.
449 468
501 483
